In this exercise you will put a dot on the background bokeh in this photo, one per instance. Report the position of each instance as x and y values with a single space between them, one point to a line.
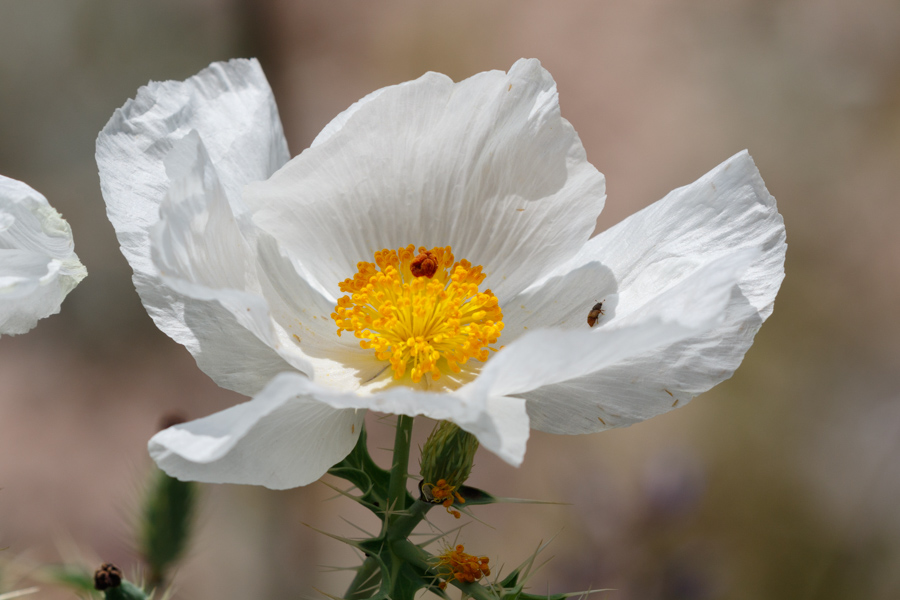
781 483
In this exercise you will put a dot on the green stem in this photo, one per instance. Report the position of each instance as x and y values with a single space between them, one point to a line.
366 579
399 468
403 526
399 519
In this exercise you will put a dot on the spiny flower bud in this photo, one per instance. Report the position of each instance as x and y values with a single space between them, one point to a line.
446 462
166 520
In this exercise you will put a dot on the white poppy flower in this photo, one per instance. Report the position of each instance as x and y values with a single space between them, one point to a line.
38 266
243 255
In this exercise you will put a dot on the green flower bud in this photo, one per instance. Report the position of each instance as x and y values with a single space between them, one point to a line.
165 524
447 455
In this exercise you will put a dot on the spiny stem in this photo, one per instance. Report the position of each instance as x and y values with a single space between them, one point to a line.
399 468
403 526
366 579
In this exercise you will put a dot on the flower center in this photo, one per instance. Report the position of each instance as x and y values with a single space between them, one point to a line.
421 312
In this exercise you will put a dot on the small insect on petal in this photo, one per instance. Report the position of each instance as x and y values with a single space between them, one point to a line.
595 313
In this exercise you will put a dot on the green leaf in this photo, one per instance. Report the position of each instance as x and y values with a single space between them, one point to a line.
372 481
511 580
474 496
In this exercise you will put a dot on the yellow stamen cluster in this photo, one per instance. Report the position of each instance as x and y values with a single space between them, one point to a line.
457 565
421 312
444 494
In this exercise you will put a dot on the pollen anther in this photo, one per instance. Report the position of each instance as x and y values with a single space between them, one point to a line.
422 312
457 565
444 494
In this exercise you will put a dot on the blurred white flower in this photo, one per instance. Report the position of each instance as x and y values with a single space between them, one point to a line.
38 266
239 253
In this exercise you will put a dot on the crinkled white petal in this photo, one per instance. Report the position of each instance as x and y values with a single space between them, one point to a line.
280 439
562 300
500 424
549 356
230 108
486 165
303 323
726 211
341 119
38 265
199 252
294 430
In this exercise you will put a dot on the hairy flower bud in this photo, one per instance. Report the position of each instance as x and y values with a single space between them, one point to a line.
446 461
166 523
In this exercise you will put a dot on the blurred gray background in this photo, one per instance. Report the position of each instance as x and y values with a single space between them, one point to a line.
781 483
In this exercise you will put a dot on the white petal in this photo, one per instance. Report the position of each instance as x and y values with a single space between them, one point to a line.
231 108
508 437
200 253
337 123
725 211
21 274
197 239
643 386
280 439
500 424
304 324
562 301
544 357
294 430
486 166
38 265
